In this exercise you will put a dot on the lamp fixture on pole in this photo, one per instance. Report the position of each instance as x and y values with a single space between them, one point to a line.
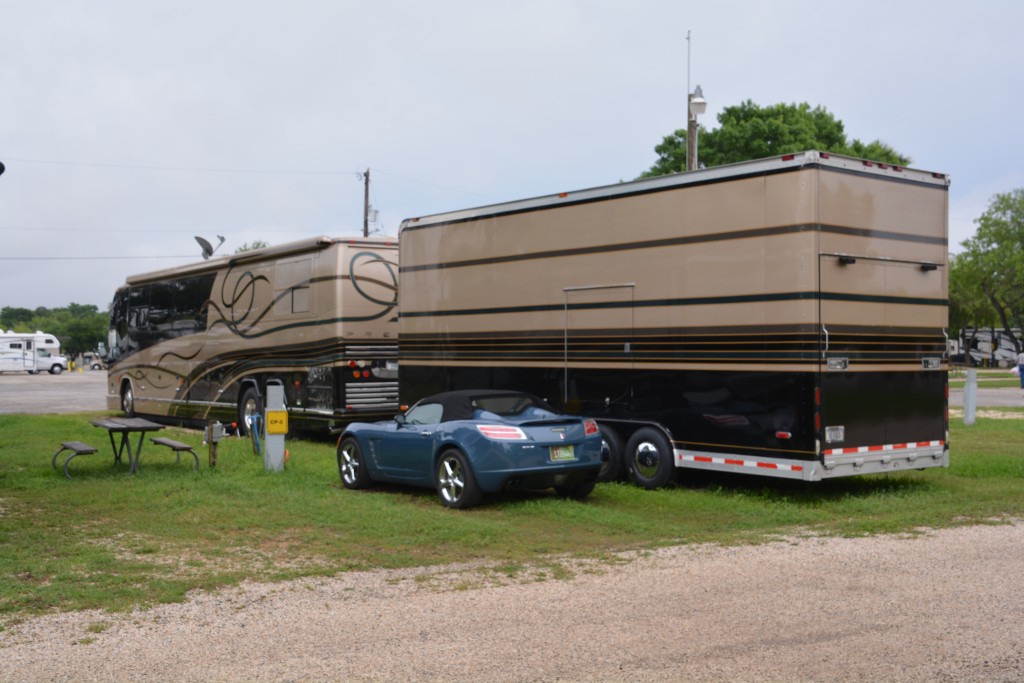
696 105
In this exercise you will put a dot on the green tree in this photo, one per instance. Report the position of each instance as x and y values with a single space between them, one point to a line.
994 258
969 306
13 318
749 131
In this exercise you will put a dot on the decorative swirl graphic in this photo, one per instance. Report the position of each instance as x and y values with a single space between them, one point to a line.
358 272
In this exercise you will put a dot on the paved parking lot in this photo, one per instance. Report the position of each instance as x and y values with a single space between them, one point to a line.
69 392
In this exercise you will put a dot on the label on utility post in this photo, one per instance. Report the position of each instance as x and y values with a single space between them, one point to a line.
277 422
275 417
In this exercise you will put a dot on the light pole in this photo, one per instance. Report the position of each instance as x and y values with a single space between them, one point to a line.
696 105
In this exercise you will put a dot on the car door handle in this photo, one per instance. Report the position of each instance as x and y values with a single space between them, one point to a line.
426 433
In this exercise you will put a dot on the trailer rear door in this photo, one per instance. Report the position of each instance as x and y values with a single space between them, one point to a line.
882 344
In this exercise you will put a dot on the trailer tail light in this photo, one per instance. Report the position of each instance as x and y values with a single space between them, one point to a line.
502 432
783 435
590 427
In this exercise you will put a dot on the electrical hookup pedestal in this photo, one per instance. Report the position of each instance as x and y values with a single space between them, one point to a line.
277 428
214 433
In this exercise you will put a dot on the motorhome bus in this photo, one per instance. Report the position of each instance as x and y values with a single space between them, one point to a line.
203 341
783 317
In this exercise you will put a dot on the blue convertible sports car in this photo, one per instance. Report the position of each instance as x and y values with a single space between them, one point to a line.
467 443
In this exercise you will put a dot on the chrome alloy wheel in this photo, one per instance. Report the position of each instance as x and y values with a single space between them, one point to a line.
451 478
348 462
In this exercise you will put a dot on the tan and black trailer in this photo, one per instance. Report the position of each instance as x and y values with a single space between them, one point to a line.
783 317
317 317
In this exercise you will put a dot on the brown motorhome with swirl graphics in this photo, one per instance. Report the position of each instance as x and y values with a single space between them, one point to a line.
783 317
317 317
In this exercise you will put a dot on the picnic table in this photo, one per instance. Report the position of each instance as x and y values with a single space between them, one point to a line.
126 426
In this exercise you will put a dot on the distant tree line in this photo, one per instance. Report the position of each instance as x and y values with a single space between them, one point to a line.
78 327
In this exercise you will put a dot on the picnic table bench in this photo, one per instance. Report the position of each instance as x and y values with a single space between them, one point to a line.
77 448
177 446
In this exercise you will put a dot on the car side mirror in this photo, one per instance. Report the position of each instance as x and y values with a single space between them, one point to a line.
400 418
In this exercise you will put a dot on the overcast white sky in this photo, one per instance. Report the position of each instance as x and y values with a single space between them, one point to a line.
129 126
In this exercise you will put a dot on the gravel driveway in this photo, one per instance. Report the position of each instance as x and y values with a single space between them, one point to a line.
944 606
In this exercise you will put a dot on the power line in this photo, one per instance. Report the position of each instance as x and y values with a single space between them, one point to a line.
91 258
258 171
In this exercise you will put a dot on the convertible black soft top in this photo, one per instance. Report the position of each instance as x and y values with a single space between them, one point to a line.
459 405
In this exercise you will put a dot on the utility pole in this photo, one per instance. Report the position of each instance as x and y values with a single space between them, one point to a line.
366 202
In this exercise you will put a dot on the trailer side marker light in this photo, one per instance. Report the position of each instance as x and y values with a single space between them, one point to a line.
563 195
817 396
826 155
788 157
783 435
868 163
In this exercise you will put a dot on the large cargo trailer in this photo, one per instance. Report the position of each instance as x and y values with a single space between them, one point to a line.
783 317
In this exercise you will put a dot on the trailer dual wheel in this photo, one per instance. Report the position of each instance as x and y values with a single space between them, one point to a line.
611 455
650 458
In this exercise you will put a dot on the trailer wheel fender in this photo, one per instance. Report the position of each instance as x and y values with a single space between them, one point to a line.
650 458
612 450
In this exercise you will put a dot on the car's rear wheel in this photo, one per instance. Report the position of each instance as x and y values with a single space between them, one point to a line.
351 465
456 485
650 458
579 490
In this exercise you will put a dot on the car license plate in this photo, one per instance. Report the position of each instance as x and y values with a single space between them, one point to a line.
562 453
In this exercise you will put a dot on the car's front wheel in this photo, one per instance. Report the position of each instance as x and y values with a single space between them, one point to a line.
351 465
456 486
56 369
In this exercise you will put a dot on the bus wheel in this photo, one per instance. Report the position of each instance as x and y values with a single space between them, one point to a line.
650 458
611 455
127 400
250 405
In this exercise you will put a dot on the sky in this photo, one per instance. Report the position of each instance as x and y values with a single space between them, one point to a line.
127 127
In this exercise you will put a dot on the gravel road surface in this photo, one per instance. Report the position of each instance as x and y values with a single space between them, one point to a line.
944 606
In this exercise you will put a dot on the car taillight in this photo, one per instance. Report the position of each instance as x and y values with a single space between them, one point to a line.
590 427
502 432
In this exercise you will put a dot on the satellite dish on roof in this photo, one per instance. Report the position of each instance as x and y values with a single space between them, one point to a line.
208 248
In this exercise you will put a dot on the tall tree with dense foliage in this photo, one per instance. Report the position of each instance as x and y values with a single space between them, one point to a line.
994 261
749 131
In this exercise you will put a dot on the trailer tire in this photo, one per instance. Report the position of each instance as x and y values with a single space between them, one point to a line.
650 458
611 455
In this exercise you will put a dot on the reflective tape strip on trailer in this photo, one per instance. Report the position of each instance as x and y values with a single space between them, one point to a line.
773 467
883 448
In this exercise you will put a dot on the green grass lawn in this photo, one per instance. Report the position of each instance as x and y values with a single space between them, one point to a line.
110 540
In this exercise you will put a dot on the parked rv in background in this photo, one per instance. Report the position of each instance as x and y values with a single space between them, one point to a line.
31 353
783 317
987 346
